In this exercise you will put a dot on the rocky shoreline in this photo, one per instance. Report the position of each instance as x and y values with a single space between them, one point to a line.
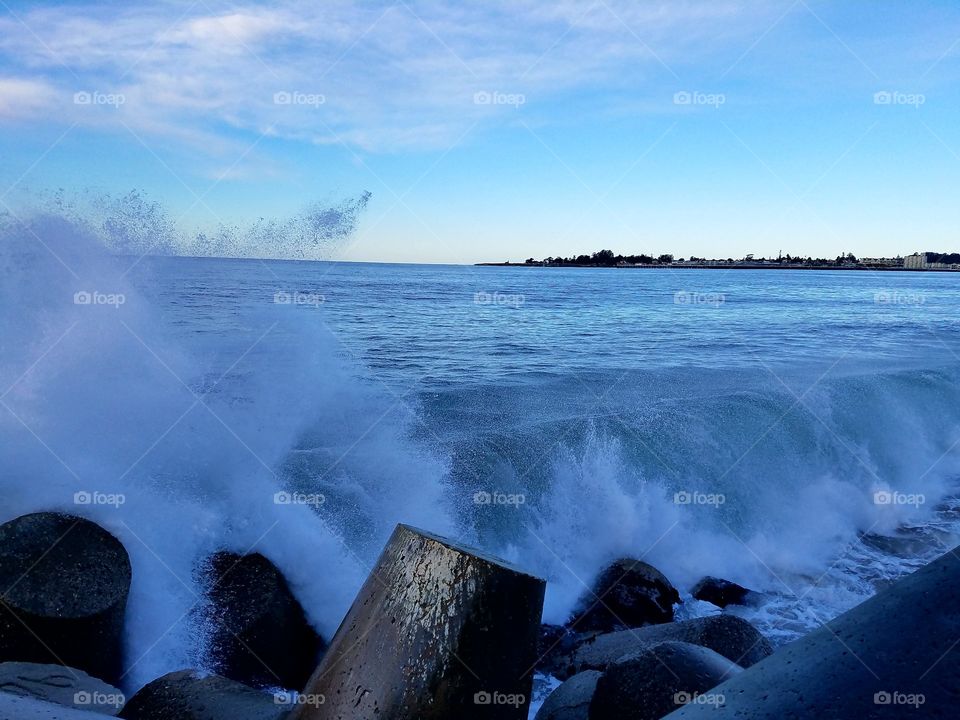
440 630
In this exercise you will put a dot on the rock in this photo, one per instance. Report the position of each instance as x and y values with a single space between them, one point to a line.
721 592
18 707
259 633
61 685
654 681
66 582
438 631
893 656
730 636
571 701
185 695
628 594
555 641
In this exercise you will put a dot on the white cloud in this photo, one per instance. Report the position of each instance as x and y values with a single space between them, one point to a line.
22 98
392 76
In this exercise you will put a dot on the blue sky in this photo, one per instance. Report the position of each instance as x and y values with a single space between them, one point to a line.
502 130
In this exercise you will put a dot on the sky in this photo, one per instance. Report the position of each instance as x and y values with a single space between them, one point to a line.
501 130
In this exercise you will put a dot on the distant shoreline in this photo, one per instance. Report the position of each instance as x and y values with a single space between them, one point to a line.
845 268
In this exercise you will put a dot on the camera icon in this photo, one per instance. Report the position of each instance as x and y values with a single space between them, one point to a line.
883 97
882 698
282 98
682 297
882 497
482 698
282 498
682 698
682 498
82 498
82 298
482 98
682 98
482 497
282 298
82 98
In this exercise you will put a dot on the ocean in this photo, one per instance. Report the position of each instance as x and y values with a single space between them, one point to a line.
795 432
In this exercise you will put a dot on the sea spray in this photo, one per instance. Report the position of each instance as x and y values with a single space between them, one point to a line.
199 397
100 401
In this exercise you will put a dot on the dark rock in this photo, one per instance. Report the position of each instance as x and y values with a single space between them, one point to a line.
627 594
893 656
438 631
18 707
571 701
185 695
259 633
61 685
730 636
65 582
721 592
555 641
654 681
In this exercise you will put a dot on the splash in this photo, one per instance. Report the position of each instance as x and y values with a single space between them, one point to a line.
181 453
133 224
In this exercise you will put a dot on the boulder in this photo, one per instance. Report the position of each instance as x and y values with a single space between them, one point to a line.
186 695
18 707
893 656
627 594
66 582
61 685
571 701
732 637
721 592
259 634
654 681
437 631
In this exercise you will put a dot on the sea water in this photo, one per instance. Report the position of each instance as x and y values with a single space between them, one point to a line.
796 432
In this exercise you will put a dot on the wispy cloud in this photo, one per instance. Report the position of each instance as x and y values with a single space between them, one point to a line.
23 99
376 76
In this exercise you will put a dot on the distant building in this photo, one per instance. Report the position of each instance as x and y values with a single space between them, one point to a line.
930 261
882 262
917 261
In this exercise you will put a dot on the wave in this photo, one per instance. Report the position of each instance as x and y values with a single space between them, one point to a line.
109 388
